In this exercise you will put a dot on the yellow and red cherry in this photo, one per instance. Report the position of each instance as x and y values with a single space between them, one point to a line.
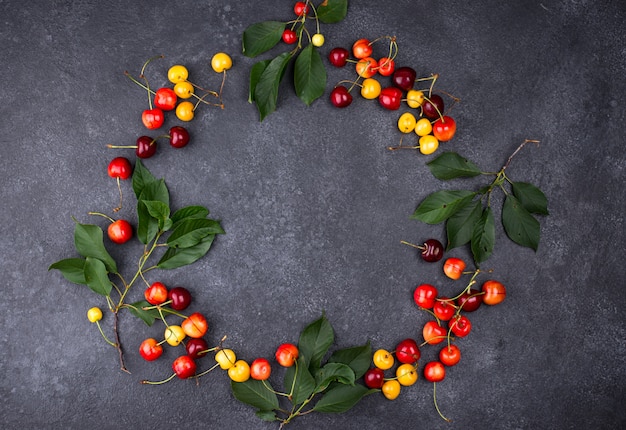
444 128
366 67
404 78
156 293
390 98
338 57
433 106
453 268
362 48
433 333
340 97
150 349
287 354
494 292
260 369
386 66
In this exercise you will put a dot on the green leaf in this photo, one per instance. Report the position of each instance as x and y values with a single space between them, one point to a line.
314 342
147 316
256 394
73 269
450 165
266 90
255 74
88 240
309 75
191 231
141 177
330 372
97 277
159 211
460 226
341 398
358 358
521 227
178 257
332 11
189 212
304 384
261 37
441 205
147 226
267 415
531 197
484 237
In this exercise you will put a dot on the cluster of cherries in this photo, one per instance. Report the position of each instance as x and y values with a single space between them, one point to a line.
293 33
430 123
450 323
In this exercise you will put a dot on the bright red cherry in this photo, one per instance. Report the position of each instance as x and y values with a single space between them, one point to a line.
444 128
120 231
120 167
301 8
425 295
407 351
152 118
289 36
184 367
165 99
390 98
444 308
150 350
460 326
340 97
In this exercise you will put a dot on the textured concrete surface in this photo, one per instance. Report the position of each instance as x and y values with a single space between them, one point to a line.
315 207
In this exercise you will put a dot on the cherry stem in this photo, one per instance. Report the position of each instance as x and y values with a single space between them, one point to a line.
113 344
206 371
435 401
526 141
159 382
102 215
411 244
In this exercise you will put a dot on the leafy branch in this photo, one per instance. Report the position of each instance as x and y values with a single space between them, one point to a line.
469 215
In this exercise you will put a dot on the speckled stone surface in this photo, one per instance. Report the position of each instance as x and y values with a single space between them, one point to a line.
315 207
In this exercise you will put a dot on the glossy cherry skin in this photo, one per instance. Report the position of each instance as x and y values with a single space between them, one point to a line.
444 309
444 129
289 36
179 136
390 98
180 298
433 106
184 367
196 348
374 378
404 78
494 291
340 97
470 300
153 118
425 295
165 99
433 333
450 355
432 251
434 371
407 351
120 167
460 326
120 231
146 147
150 350
338 57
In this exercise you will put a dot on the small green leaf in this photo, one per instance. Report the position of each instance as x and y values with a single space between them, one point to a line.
304 384
531 197
191 231
256 394
174 258
73 269
147 226
341 398
331 372
315 340
97 276
332 11
484 237
189 212
521 227
267 415
159 211
266 90
460 226
450 165
255 74
309 75
147 316
358 358
441 205
88 240
141 177
261 37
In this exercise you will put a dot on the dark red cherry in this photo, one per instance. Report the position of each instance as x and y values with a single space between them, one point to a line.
374 378
404 78
390 98
196 347
340 97
146 147
470 300
432 251
338 57
180 297
433 106
179 136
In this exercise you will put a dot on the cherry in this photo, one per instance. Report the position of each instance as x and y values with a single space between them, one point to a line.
444 308
179 136
340 97
470 300
197 348
301 8
146 147
338 57
152 118
121 168
434 333
150 350
425 295
289 36
374 378
434 371
407 351
433 107
460 326
165 99
450 355
432 250
404 78
184 367
180 298
390 98
120 231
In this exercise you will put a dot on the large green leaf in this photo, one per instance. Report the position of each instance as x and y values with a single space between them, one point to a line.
141 177
266 90
147 225
358 358
521 227
88 240
73 269
191 231
178 257
531 197
332 372
97 277
341 398
255 74
441 205
450 165
261 37
484 236
460 226
309 75
256 394
159 211
303 383
315 340
148 316
189 212
332 11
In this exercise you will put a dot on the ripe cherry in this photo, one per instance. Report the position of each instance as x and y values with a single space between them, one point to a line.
444 308
152 118
366 67
197 348
301 8
121 168
179 136
289 36
404 78
195 325
180 298
184 367
434 371
150 350
444 128
432 250
120 231
470 300
286 354
146 147
338 57
460 326
390 98
494 291
433 333
156 294
386 66
165 99
450 355
433 106
374 378
340 97
453 268
407 351
260 369
425 295
362 48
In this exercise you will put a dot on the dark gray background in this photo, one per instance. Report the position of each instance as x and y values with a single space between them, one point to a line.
315 207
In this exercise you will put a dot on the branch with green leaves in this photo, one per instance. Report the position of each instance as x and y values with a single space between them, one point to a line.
186 236
309 71
469 215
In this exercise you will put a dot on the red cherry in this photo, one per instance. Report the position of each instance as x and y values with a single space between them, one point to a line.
179 136
434 371
338 57
152 118
450 355
120 231
150 350
444 129
460 326
433 107
165 99
390 98
444 308
404 78
340 97
374 378
289 36
434 333
146 147
470 300
425 295
180 298
120 167
301 8
407 351
196 348
184 367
